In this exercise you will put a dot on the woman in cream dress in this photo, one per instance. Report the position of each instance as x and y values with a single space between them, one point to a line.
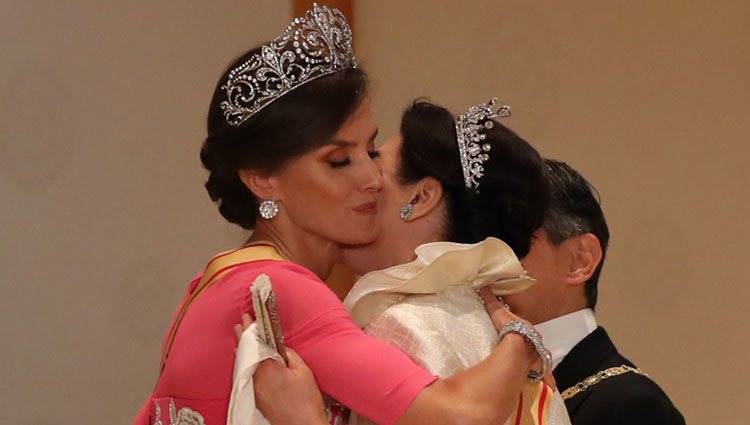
488 206
428 305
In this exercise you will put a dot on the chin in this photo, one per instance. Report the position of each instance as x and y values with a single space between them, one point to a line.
356 231
353 240
358 237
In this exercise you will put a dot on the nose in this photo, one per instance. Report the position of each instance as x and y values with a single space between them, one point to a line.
373 177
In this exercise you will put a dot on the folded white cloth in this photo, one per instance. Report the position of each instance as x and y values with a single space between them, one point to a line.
250 352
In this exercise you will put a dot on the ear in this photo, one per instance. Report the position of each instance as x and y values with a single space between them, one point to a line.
428 196
262 185
584 255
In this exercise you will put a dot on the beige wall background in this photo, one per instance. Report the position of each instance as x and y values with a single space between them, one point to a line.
104 217
102 108
649 101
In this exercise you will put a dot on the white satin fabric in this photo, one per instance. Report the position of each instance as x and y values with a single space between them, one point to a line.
429 308
438 267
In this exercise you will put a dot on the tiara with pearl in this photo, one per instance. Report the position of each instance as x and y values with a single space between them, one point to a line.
312 46
469 134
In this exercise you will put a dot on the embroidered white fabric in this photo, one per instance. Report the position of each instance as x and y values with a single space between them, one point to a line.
446 333
443 326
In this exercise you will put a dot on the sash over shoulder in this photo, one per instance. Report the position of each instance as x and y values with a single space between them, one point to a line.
439 266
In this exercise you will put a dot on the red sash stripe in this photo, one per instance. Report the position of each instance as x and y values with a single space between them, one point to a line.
542 400
519 413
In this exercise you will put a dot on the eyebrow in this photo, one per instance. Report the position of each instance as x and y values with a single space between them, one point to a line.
348 143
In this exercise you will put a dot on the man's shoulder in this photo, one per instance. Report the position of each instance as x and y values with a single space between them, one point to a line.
626 387
626 397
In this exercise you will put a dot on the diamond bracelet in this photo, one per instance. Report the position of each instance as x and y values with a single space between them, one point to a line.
528 332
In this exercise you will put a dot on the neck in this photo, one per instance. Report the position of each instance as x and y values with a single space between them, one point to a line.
392 248
570 304
297 245
575 302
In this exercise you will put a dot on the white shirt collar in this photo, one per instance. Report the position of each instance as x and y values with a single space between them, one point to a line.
563 333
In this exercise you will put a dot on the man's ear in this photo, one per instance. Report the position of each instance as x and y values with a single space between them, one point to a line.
428 196
584 255
262 185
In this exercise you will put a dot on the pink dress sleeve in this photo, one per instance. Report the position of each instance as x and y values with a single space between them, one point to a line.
373 378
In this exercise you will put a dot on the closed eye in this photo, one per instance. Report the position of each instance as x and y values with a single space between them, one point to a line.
339 164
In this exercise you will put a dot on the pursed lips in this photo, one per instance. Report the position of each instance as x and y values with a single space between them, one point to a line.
367 208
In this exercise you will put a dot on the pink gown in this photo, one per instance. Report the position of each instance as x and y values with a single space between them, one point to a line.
369 376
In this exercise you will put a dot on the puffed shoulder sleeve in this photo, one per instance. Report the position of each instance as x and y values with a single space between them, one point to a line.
372 378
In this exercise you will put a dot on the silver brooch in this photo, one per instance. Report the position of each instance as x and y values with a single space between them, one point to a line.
470 136
315 45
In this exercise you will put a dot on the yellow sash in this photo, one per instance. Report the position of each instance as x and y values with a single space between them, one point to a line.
216 268
533 405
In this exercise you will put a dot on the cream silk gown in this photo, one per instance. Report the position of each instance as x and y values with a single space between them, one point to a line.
429 309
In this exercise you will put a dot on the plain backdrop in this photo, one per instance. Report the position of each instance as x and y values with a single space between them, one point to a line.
105 220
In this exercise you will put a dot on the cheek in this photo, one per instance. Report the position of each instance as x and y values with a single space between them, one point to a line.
388 216
522 302
388 196
392 198
315 202
531 267
540 261
389 166
322 188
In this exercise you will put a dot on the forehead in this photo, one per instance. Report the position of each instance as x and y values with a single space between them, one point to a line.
392 144
359 125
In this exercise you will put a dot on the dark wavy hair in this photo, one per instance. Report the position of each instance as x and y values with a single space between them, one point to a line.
513 194
292 125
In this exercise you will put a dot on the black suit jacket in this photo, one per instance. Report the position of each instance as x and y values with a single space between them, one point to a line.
629 398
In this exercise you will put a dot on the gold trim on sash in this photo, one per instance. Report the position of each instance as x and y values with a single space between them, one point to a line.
215 269
599 377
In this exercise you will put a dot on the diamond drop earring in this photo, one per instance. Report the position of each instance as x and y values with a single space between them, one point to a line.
406 211
268 209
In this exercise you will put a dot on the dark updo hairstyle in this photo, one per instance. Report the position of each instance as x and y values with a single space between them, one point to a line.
513 193
292 125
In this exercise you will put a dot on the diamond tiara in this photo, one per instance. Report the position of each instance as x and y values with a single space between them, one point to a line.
312 46
470 134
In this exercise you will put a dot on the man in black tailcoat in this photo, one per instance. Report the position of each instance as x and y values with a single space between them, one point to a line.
599 385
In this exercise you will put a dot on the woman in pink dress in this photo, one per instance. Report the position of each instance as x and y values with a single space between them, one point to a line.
290 155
